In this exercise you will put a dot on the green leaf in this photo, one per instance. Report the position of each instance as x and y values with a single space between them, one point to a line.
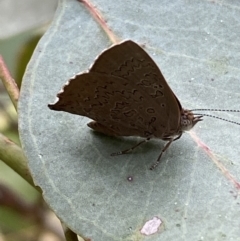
196 46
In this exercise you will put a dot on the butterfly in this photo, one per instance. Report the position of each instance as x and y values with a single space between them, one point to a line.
125 94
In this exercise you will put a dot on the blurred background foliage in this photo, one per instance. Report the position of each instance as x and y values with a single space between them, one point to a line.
23 213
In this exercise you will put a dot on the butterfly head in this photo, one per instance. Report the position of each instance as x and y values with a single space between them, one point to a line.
188 120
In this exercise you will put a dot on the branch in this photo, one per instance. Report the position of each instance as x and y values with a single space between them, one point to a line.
9 83
13 156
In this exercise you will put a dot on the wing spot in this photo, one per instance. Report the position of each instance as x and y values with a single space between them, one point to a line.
150 110
163 105
130 113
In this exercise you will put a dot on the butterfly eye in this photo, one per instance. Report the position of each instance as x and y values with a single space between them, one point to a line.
185 122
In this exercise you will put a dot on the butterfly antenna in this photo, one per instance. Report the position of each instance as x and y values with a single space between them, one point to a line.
216 110
220 118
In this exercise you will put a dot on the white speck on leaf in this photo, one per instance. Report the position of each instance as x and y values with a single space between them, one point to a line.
151 226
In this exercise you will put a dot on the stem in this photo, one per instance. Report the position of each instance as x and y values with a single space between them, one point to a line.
9 83
13 156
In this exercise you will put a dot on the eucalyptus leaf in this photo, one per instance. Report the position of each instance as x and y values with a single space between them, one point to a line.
194 189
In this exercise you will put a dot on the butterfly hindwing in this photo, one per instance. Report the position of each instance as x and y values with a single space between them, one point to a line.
129 61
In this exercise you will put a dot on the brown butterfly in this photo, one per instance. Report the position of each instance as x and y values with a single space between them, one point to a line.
125 93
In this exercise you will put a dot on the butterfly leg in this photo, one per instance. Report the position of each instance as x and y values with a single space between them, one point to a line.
178 137
170 140
162 151
130 149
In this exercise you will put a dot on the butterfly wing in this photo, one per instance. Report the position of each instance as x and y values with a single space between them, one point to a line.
124 91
